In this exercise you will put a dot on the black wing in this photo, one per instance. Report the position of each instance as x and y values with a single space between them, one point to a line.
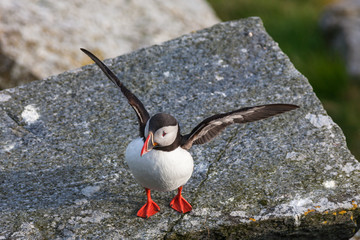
214 125
136 104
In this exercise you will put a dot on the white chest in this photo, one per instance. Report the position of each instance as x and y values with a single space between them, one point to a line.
159 170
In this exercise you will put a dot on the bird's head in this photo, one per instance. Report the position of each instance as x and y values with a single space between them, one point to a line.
161 133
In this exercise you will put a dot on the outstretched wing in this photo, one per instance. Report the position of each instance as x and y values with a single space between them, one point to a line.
214 125
135 103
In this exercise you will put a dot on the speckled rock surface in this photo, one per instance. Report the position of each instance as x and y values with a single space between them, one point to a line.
42 38
62 169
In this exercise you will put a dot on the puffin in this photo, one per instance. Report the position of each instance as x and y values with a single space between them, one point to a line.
159 158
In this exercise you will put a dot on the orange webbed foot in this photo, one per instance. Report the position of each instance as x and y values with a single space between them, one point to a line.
150 207
179 203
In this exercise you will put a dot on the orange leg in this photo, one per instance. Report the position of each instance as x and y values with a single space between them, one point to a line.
179 203
150 207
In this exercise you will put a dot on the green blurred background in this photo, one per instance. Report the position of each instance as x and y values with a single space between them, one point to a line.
294 24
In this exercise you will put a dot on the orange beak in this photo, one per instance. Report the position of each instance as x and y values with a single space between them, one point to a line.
149 144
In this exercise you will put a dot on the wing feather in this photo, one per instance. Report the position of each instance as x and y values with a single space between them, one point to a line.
136 104
214 125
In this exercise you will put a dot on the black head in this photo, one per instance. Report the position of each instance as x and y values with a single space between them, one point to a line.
162 132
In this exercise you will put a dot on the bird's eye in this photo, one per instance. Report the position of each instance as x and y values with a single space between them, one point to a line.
164 133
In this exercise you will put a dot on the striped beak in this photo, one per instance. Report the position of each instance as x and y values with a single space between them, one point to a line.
149 144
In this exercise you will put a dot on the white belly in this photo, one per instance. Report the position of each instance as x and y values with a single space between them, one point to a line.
159 170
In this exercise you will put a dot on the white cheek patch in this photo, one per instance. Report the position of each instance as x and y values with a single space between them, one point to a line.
169 137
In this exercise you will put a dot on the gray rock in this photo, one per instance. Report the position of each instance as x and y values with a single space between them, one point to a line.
356 236
341 24
42 38
62 169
